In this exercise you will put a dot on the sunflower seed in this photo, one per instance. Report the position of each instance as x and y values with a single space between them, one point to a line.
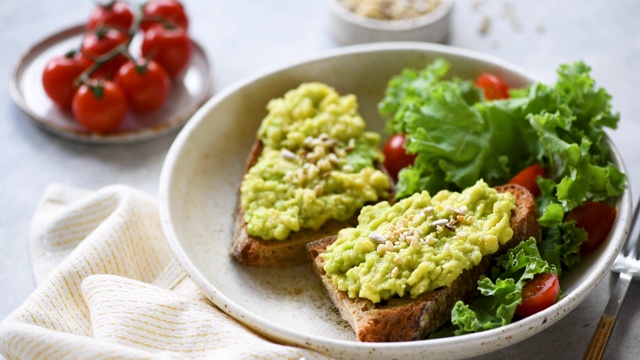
287 154
378 238
439 222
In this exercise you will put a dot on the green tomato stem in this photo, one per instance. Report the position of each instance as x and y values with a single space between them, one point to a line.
84 78
97 89
161 20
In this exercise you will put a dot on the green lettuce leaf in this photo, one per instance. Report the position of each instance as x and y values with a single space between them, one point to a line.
575 161
560 245
411 86
457 143
414 87
459 139
502 292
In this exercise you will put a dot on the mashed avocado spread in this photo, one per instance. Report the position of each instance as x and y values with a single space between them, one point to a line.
317 164
420 243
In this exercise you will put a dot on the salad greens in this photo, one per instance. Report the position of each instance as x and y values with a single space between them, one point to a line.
500 293
460 137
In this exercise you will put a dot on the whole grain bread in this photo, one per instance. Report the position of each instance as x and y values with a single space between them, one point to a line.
254 251
406 319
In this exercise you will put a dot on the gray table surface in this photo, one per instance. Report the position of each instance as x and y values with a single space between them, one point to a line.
246 36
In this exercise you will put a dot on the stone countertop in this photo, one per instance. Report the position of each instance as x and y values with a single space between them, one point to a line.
243 37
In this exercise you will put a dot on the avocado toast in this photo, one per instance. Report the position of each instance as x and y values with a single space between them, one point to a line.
407 317
309 172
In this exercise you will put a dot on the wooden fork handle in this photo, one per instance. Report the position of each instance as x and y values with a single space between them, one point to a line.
600 336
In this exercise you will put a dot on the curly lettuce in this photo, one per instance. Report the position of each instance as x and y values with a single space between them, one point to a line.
459 137
502 292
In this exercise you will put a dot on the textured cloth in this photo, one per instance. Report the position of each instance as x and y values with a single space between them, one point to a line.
109 287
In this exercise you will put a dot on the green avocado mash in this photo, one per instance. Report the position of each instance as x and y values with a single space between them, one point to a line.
317 164
420 243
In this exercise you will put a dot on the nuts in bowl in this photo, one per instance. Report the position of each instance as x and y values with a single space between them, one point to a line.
364 21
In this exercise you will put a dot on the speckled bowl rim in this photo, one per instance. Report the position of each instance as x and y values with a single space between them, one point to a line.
479 343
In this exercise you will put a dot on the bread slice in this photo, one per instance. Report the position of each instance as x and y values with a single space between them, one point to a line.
254 251
406 319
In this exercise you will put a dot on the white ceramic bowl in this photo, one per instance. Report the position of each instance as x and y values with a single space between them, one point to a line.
349 28
198 196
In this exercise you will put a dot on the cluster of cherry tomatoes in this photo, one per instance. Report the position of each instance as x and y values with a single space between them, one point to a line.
101 81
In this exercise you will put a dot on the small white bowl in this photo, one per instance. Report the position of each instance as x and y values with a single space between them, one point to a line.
349 28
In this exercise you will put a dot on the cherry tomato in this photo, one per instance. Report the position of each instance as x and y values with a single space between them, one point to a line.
171 48
115 14
596 218
146 86
155 11
395 155
58 78
100 107
538 294
527 178
98 43
493 87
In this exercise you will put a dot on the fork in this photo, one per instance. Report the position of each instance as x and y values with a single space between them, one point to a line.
628 267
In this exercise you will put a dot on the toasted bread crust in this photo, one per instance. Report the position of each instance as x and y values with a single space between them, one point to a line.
254 251
406 319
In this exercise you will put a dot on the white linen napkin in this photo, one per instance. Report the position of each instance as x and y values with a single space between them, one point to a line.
109 287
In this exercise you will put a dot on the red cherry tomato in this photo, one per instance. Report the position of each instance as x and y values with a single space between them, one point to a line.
171 48
101 110
97 44
395 155
145 86
493 87
538 294
156 11
58 78
115 14
527 178
596 218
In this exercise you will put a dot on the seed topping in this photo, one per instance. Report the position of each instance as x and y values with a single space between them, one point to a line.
439 222
377 238
287 154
